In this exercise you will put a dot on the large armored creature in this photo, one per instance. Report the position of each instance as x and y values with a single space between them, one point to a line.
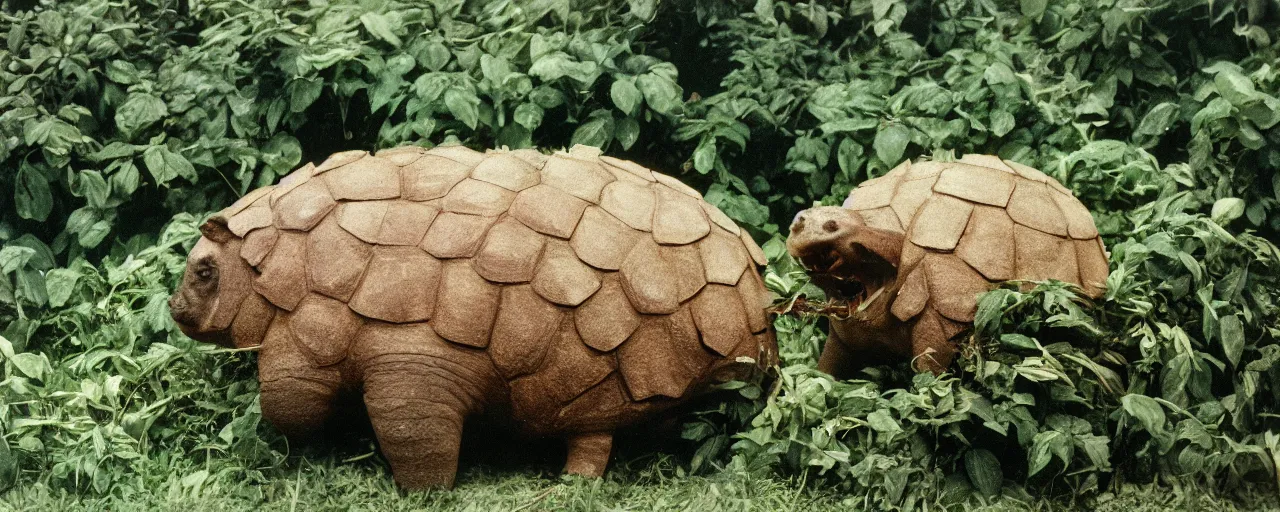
912 250
570 294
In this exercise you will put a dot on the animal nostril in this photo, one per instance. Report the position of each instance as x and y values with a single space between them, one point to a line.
830 226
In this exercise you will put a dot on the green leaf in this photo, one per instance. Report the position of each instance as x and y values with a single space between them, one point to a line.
495 69
1158 119
557 65
1264 114
33 366
387 91
704 158
1232 331
8 466
891 142
138 112
1097 449
1227 209
166 165
625 95
125 179
60 282
1146 410
644 10
880 8
528 115
14 257
1001 123
42 258
93 187
93 235
31 195
850 156
122 72
303 92
627 132
435 56
547 97
114 151
464 106
1043 446
849 125
381 26
662 95
1033 8
999 73
882 421
1217 109
1235 87
984 471
514 136
598 131
283 153
1018 342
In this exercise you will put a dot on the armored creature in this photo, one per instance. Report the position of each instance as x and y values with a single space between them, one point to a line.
570 294
912 250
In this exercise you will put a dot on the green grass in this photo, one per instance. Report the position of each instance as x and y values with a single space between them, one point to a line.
323 480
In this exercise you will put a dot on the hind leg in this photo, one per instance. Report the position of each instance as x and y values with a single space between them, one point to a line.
296 396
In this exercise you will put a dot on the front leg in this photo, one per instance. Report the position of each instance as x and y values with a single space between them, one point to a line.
931 347
297 397
837 359
419 389
418 420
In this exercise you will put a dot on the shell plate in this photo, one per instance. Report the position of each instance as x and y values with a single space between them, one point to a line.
501 251
978 221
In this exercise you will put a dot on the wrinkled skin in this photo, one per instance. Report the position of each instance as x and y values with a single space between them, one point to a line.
199 306
852 261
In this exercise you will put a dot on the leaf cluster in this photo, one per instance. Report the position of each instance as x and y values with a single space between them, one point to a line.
122 123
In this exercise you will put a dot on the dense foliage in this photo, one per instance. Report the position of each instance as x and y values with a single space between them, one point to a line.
121 123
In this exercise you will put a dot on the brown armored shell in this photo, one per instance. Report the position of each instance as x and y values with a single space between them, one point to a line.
574 272
978 221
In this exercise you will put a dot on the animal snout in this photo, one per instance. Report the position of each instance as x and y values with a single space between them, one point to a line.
176 304
178 308
824 222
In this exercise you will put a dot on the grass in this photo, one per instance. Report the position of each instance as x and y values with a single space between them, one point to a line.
493 479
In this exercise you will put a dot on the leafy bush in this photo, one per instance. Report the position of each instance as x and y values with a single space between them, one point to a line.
123 122
1174 373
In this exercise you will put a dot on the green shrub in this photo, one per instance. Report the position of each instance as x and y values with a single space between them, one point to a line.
123 122
1174 373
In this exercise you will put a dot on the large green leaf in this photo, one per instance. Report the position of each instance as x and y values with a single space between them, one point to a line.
31 194
165 165
139 112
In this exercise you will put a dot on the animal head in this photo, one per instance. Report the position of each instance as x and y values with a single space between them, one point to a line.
845 257
216 282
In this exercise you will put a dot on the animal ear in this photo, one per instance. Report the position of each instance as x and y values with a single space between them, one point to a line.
216 229
882 242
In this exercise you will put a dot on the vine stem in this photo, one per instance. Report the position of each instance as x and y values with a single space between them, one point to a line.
801 306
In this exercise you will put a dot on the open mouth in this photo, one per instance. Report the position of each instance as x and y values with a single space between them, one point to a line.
833 272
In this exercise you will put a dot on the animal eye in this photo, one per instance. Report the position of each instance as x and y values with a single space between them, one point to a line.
204 273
